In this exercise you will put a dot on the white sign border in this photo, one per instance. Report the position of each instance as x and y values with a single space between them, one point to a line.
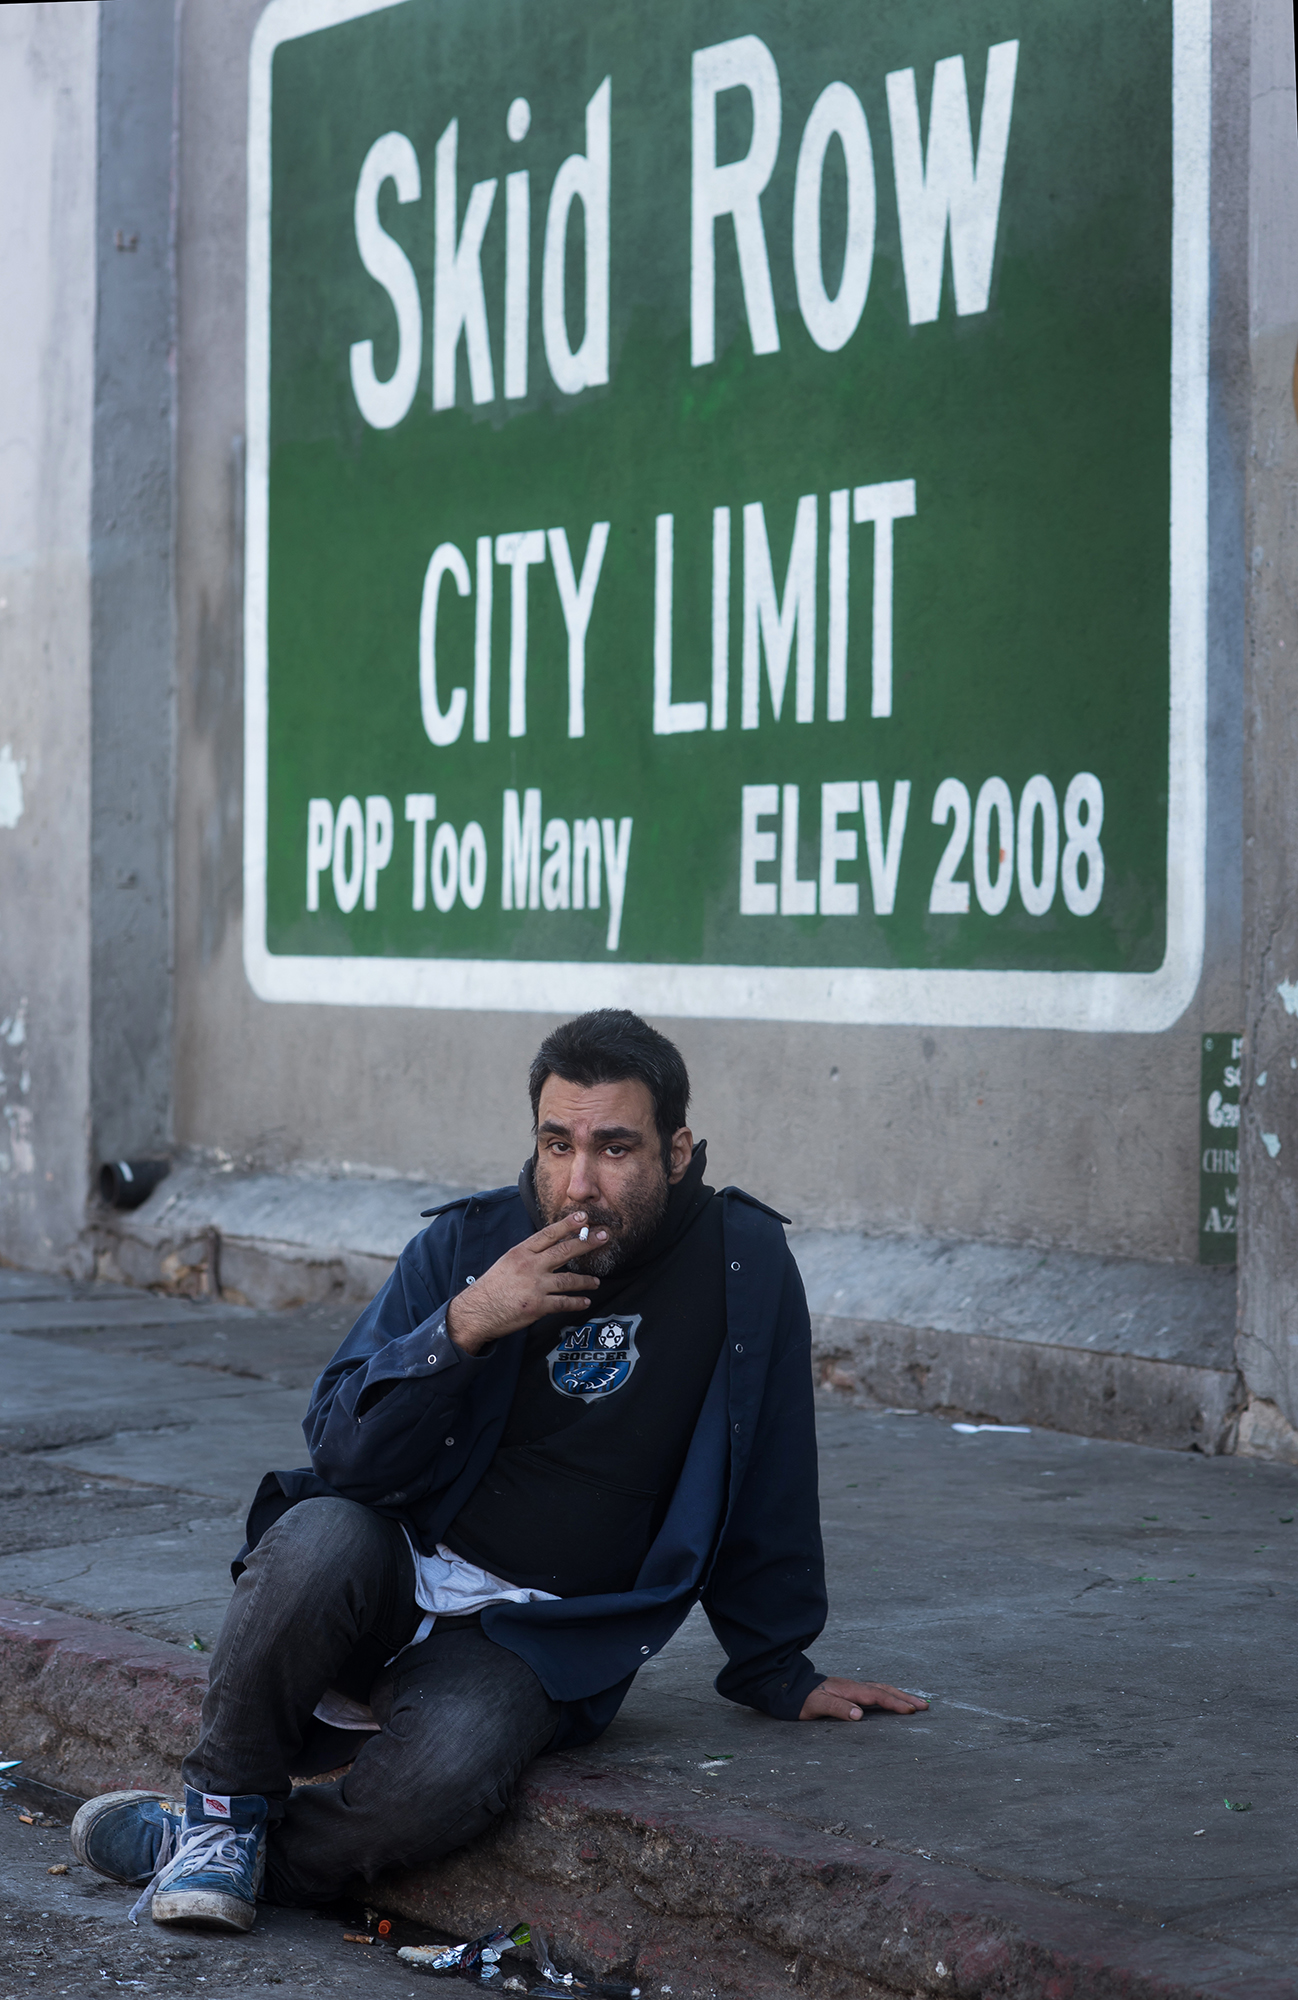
1084 1001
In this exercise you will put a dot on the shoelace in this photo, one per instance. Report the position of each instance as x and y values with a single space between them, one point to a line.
207 1845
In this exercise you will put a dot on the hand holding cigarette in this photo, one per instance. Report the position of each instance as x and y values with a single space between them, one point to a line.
525 1285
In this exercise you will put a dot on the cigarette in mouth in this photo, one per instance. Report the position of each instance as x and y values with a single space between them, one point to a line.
582 1235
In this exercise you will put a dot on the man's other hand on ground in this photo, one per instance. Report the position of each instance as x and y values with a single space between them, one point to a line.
524 1285
848 1700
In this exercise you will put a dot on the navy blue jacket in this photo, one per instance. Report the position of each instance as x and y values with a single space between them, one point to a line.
406 1423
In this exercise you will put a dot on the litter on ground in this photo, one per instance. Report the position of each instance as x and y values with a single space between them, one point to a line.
480 1955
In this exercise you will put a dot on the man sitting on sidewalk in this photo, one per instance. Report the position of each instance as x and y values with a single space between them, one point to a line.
576 1407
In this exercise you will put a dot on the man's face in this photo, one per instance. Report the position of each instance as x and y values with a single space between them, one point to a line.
598 1150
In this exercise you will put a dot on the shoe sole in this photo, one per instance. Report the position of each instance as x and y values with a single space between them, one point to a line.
203 1906
89 1816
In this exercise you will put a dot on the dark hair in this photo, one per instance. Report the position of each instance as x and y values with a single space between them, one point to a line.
610 1046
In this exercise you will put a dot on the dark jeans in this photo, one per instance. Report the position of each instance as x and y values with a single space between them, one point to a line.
326 1599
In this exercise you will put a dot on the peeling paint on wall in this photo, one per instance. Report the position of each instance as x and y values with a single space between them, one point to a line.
22 1152
21 1157
13 1029
11 786
1288 991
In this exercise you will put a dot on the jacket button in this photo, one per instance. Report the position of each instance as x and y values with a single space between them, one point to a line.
738 1426
644 1649
734 1267
739 1347
470 1281
452 1440
432 1361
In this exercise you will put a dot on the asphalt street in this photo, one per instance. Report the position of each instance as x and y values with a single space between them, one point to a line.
66 1934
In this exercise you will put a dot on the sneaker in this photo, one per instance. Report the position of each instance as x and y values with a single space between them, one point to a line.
127 1835
215 1873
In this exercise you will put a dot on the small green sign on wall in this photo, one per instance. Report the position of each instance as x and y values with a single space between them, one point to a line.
727 507
1219 1077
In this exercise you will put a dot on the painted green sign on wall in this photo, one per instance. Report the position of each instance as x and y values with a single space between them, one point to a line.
727 507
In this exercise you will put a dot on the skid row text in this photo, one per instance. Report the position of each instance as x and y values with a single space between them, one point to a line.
948 185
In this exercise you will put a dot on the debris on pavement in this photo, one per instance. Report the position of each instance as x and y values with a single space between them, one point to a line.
1237 1805
1021 1430
555 1981
595 1989
478 1962
545 1964
480 1956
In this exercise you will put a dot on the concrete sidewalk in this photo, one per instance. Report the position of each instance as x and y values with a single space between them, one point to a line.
1105 1631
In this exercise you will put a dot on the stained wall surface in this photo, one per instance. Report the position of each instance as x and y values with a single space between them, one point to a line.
48 67
132 557
1268 1345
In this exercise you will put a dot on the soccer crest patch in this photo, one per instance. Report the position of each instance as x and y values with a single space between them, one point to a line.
595 1358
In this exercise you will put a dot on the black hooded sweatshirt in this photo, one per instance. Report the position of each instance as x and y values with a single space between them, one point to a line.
604 1411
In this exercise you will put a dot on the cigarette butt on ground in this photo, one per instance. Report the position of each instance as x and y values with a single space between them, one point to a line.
356 1937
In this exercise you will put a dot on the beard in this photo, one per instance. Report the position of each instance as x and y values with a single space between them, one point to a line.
629 1227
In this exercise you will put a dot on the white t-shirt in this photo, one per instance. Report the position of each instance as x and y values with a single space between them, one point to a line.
446 1586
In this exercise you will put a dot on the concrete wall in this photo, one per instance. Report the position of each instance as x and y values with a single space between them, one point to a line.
121 551
87 124
1268 1345
132 623
48 58
1089 1141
